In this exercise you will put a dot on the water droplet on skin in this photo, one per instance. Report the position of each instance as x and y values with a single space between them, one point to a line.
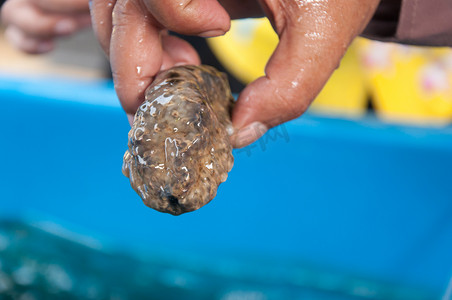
299 3
139 70
314 35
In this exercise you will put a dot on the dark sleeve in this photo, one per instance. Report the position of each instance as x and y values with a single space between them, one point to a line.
417 22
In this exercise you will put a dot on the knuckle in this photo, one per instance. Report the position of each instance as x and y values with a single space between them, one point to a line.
40 28
185 17
292 104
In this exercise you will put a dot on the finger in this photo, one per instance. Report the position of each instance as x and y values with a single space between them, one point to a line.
27 44
138 51
192 17
180 51
62 7
176 51
310 48
101 15
135 53
36 23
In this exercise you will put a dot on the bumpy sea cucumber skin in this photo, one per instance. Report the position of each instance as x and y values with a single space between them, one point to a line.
179 148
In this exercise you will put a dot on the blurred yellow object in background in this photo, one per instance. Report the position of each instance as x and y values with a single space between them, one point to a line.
407 84
246 48
345 93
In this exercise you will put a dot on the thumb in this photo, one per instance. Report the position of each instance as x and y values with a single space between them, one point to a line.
313 39
205 18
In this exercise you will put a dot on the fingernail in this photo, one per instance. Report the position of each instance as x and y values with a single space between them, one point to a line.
212 33
248 135
65 27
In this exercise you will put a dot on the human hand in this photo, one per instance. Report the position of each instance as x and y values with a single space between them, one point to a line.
32 25
314 35
134 34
